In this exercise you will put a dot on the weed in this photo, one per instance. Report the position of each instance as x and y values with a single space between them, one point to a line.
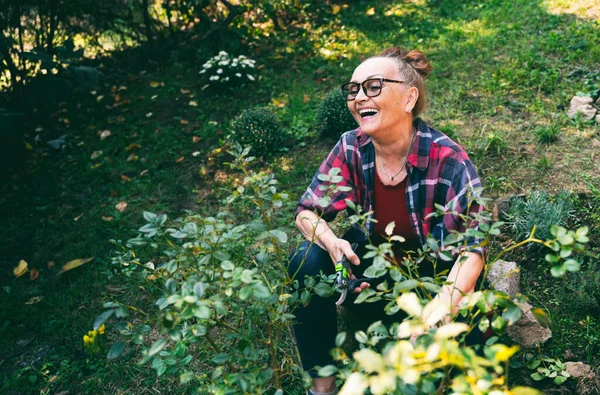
494 144
543 164
547 134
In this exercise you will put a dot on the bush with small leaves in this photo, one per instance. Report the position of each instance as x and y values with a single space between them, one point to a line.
223 70
259 128
333 116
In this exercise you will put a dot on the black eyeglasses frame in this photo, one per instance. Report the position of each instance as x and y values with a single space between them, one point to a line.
344 87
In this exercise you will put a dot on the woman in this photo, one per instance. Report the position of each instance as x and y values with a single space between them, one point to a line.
396 166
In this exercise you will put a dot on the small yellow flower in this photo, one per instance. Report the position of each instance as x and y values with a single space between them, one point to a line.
86 339
101 329
94 333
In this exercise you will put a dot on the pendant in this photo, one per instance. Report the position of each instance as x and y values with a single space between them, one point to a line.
391 178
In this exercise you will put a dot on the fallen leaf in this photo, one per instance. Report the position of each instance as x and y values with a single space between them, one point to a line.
115 289
121 206
184 122
370 11
125 178
34 274
195 139
193 103
131 157
104 134
306 99
143 172
51 264
122 88
120 119
20 269
278 103
132 146
74 264
153 97
118 97
78 217
180 159
184 91
113 89
99 98
95 154
96 165
107 219
151 277
148 115
196 153
154 84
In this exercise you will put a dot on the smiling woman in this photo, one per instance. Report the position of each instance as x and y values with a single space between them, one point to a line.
399 168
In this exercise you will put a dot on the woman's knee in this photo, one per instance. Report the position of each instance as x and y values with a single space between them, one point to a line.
308 260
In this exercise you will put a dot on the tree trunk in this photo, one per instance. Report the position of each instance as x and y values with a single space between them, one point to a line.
148 24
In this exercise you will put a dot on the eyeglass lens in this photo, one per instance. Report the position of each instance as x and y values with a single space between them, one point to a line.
371 88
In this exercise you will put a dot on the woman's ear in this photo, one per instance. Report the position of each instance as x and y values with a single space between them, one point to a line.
412 97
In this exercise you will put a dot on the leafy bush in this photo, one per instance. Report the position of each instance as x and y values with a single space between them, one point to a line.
259 128
539 210
223 70
333 116
226 303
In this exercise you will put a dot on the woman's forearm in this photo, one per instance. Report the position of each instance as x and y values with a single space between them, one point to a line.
315 229
462 278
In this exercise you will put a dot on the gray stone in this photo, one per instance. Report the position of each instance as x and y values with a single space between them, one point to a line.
528 332
582 105
504 276
578 369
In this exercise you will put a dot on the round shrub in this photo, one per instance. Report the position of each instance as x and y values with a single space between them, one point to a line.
333 116
258 128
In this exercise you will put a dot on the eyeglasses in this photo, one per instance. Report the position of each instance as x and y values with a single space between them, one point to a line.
371 87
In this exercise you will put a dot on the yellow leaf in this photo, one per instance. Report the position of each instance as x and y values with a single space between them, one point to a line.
78 217
154 84
104 134
125 178
34 274
371 11
184 91
34 300
20 269
193 103
107 219
73 264
184 122
181 159
121 206
132 146
195 139
28 146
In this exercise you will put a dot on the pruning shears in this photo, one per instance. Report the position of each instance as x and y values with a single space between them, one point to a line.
342 277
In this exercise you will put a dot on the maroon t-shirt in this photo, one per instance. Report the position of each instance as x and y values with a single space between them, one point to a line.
390 205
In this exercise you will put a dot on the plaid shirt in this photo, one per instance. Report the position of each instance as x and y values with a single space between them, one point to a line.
439 172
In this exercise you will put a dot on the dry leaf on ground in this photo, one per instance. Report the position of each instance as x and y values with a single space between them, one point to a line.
121 206
34 274
20 269
73 264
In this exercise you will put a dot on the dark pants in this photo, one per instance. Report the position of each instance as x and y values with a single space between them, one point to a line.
316 323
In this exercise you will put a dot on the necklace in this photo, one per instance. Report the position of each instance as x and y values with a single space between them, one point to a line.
403 165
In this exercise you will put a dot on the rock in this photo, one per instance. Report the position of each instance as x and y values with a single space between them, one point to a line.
578 369
528 332
505 277
582 105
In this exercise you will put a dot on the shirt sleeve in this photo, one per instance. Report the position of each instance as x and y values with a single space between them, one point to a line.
322 186
464 197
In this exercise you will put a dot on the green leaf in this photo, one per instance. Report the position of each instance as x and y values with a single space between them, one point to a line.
431 287
186 377
512 314
340 339
534 363
247 276
101 319
537 376
581 234
261 291
245 293
407 285
157 347
558 270
572 265
363 295
566 239
116 350
220 358
558 380
361 337
551 258
227 265
121 312
524 391
323 290
327 371
279 235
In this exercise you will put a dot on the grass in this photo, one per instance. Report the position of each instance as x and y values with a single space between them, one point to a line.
490 79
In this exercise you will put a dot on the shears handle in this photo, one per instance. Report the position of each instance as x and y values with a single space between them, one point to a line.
342 270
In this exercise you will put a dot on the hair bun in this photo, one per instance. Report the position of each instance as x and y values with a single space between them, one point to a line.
416 59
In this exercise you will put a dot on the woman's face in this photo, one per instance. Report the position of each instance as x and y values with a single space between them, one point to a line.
386 111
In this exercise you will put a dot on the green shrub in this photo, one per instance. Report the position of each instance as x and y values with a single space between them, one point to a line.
333 116
547 134
259 128
540 211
